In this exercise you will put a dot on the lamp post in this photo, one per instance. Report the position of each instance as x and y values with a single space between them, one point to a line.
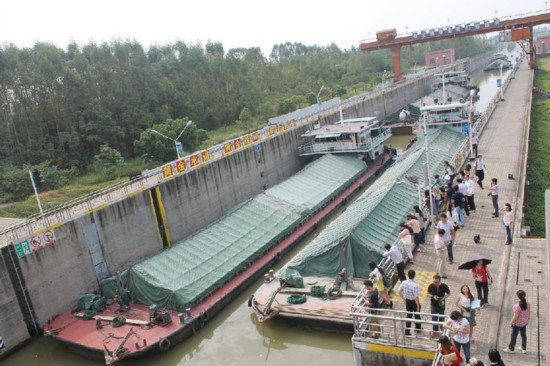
179 148
470 127
426 149
319 101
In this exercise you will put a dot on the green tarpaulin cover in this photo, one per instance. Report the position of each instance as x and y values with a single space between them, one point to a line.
193 268
358 235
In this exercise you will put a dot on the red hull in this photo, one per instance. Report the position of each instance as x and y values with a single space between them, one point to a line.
83 338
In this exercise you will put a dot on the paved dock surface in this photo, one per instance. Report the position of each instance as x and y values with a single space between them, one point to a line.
518 266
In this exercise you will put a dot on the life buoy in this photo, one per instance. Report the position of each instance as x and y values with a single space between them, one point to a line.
278 256
164 344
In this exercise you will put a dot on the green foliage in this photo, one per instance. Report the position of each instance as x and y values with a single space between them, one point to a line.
63 105
16 183
538 160
106 163
157 148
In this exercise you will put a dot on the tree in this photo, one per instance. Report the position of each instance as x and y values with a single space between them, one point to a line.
106 162
160 149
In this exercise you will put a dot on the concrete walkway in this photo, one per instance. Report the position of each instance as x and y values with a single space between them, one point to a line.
517 266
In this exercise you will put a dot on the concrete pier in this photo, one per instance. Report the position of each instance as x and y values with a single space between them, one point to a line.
522 265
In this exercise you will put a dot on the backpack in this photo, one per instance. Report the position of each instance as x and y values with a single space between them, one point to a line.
386 280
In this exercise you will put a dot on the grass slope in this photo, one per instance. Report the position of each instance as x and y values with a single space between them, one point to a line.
538 161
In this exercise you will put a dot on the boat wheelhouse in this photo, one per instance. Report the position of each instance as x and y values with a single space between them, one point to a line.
453 115
452 77
357 135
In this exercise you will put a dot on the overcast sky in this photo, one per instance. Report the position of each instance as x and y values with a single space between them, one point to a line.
237 23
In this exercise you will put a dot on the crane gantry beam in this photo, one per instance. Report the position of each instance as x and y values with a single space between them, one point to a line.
463 30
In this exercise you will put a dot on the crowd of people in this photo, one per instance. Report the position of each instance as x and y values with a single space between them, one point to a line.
452 198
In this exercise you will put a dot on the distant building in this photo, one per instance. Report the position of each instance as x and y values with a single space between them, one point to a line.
439 58
542 44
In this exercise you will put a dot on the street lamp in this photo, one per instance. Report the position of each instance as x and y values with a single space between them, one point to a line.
426 149
179 148
319 101
470 127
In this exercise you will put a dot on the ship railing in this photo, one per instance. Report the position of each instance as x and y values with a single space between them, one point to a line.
389 327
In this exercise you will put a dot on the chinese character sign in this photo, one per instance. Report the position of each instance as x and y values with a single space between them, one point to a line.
227 147
181 166
167 171
194 160
205 155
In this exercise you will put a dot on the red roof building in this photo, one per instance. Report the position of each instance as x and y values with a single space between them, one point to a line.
542 44
439 58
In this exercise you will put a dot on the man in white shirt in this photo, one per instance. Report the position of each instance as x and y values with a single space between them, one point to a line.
475 141
440 246
463 188
397 258
449 237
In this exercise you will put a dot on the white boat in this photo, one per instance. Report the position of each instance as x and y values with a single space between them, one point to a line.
453 115
357 135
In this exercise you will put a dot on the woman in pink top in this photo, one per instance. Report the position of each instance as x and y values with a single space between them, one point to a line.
406 236
519 323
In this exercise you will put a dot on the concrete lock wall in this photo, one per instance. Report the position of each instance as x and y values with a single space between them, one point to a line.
12 324
57 275
200 197
113 238
128 233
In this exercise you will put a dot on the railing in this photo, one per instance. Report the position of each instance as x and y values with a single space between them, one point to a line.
388 326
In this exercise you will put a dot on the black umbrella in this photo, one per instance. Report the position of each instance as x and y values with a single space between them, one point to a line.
472 262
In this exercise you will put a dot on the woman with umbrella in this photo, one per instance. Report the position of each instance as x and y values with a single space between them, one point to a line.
481 276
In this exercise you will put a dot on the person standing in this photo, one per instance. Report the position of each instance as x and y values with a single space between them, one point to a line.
396 257
417 212
449 234
475 141
406 236
371 301
450 171
464 303
463 189
436 192
414 224
459 202
508 220
481 168
522 313
377 276
408 291
470 192
440 246
438 292
461 330
483 279
495 190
